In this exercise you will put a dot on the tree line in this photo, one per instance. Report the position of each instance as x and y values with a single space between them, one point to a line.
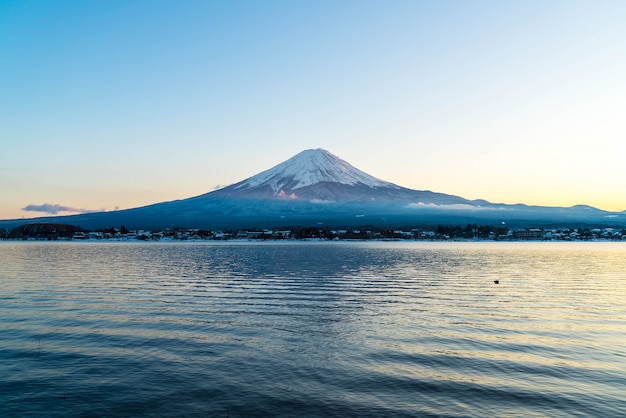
46 231
41 231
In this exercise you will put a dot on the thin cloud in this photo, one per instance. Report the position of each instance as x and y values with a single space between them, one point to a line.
54 209
453 206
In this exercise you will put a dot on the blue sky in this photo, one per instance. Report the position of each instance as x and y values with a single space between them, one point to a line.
117 104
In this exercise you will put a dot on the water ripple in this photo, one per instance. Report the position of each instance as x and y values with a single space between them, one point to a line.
312 329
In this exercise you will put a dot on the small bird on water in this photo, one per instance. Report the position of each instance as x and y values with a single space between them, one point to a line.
496 281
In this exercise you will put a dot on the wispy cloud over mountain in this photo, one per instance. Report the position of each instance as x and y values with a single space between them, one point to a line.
455 206
54 209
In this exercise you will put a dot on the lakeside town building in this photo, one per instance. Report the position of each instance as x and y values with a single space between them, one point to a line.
440 233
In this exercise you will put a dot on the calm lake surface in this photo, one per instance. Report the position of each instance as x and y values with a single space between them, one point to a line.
312 329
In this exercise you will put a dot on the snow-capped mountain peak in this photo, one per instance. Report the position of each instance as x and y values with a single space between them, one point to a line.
309 168
318 176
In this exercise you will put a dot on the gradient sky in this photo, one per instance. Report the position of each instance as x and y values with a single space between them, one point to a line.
117 104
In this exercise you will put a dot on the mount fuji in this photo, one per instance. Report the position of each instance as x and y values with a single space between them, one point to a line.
316 187
318 176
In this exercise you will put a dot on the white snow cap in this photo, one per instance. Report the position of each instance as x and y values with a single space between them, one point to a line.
311 167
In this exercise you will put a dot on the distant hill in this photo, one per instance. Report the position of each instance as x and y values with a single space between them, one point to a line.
317 187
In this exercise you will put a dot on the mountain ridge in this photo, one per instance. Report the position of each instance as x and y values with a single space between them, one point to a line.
316 187
318 176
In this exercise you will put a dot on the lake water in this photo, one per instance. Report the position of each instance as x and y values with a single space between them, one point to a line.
305 329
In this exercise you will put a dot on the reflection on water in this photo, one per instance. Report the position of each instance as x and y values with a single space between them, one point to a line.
312 329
